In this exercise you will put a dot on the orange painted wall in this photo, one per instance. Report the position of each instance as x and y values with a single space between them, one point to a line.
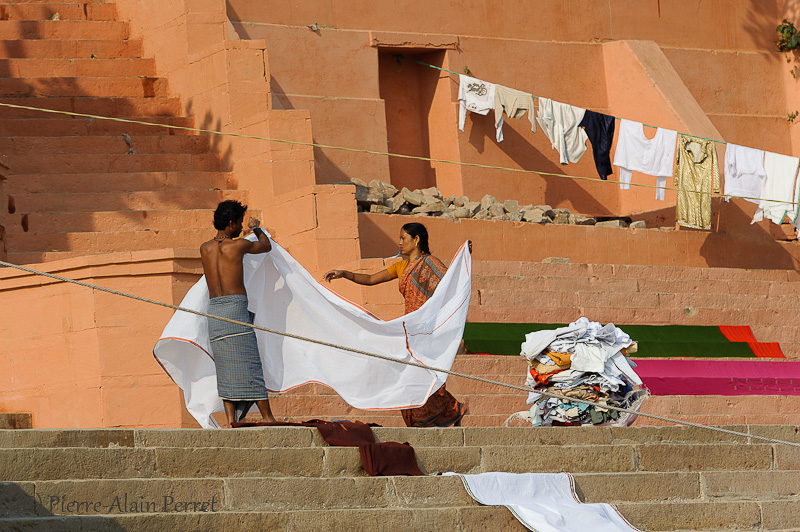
76 357
691 75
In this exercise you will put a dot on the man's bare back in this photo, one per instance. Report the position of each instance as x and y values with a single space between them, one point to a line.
222 258
222 264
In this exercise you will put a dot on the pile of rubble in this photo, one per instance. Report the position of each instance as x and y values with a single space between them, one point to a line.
384 198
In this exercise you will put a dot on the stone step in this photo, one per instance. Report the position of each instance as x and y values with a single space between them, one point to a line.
649 316
71 68
91 105
193 462
58 497
121 201
80 164
62 29
67 48
451 437
79 126
107 241
633 271
65 11
117 182
645 285
120 220
697 516
629 301
118 87
105 145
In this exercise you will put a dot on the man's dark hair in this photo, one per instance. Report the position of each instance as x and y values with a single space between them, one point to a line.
228 211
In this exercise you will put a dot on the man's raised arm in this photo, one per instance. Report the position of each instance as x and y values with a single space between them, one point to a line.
263 244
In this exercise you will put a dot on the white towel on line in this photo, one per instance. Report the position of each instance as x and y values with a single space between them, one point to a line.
285 297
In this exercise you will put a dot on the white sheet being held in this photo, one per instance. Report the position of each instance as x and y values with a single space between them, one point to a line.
285 297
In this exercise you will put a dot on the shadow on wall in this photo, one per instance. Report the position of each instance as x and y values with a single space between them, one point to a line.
736 243
116 160
527 156
214 141
763 16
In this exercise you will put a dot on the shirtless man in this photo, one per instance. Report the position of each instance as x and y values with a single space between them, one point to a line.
240 378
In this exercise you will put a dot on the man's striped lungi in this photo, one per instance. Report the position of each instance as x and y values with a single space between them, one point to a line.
235 349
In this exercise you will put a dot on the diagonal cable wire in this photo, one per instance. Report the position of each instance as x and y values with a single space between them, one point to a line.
390 359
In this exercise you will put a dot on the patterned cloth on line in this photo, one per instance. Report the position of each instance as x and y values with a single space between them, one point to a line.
239 374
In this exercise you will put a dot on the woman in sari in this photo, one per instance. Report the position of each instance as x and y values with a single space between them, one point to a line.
419 274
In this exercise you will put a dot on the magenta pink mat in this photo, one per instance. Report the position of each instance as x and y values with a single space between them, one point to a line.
719 377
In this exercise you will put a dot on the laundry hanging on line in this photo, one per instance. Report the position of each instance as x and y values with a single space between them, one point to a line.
657 156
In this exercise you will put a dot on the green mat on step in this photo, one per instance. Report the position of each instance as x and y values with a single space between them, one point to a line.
660 341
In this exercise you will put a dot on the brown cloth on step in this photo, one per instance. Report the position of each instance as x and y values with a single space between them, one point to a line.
378 459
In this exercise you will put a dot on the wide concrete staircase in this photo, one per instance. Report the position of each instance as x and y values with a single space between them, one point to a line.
80 185
281 478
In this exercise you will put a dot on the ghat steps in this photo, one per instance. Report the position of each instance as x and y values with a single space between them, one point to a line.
288 478
78 185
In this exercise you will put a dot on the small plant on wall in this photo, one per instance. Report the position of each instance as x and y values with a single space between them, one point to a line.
788 39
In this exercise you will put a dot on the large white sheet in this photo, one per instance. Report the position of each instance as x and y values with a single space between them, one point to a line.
285 297
544 502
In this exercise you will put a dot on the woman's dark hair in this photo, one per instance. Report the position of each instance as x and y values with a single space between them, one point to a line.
415 229
228 211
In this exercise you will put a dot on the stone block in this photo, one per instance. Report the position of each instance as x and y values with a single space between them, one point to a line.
496 210
460 212
612 223
511 206
562 216
380 209
638 224
473 206
535 215
605 487
461 201
708 457
429 208
448 201
359 182
514 216
487 201
431 191
17 420
547 210
368 196
554 459
395 203
577 219
412 197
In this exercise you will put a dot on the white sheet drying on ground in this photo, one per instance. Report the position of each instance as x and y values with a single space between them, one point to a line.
544 502
285 297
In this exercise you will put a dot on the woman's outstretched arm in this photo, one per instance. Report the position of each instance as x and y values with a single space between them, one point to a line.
359 278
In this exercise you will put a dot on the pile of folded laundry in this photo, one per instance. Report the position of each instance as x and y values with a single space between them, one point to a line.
584 360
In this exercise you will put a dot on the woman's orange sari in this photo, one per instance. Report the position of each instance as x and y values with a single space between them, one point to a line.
417 284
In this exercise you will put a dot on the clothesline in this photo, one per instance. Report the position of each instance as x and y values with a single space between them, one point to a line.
401 56
408 363
375 152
